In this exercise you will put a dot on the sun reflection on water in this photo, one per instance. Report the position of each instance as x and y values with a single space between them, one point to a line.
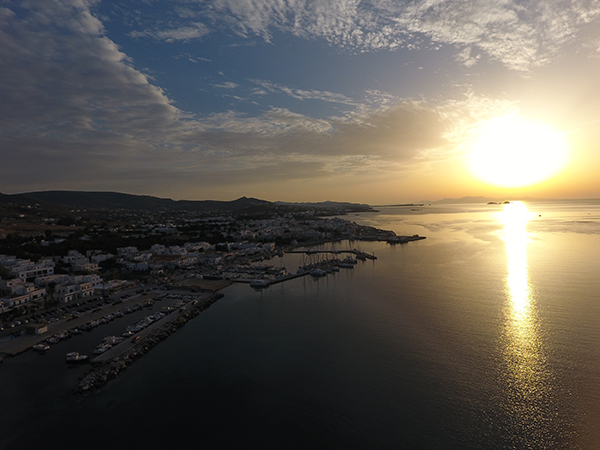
515 218
529 381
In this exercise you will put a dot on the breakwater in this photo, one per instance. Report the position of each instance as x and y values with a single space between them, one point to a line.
104 371
358 253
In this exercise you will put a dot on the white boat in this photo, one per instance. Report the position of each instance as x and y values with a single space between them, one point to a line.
41 347
75 357
101 349
318 273
112 340
259 284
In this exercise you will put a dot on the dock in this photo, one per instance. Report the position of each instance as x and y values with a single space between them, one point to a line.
405 239
358 253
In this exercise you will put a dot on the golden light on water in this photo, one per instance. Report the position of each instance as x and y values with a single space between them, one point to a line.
529 381
515 219
509 151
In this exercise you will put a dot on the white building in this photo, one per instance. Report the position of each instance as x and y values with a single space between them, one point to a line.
18 292
77 287
25 269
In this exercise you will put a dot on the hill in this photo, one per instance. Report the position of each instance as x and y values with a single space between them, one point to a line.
117 200
91 200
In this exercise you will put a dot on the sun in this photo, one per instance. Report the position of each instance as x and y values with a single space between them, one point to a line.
511 152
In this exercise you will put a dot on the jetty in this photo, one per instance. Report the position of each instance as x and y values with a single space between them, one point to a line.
109 366
404 239
358 253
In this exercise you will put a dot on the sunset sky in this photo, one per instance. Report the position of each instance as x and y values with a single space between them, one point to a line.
375 101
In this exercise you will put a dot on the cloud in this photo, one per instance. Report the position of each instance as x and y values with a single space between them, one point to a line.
71 98
302 94
519 35
227 85
76 114
196 30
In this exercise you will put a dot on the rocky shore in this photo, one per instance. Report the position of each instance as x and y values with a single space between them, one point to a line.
102 373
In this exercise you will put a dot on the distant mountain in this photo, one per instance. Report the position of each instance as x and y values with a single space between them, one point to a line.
14 199
447 201
117 200
463 200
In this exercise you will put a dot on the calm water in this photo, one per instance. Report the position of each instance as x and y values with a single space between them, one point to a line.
486 335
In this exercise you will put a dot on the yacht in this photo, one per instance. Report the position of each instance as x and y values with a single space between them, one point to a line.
112 340
75 357
101 349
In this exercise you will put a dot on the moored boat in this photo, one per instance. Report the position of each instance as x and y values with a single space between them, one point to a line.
101 349
75 357
112 340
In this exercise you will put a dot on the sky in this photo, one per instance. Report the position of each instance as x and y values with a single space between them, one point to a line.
375 101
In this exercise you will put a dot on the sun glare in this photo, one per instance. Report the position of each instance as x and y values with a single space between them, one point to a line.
510 151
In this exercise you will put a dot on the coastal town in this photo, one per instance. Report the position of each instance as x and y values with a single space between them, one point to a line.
64 275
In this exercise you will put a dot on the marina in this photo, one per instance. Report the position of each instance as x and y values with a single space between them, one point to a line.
114 349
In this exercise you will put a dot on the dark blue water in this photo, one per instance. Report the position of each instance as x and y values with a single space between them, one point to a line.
486 335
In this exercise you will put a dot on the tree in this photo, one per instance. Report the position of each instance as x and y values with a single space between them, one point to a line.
4 272
50 293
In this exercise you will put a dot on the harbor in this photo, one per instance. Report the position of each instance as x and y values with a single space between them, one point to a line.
193 294
314 266
159 314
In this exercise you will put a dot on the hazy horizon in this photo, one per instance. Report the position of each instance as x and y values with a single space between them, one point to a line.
465 199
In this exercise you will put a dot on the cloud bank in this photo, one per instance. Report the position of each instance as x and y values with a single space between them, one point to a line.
519 35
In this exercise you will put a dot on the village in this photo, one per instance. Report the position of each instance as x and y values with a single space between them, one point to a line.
56 278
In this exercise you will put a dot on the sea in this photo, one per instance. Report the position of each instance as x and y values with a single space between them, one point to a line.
484 335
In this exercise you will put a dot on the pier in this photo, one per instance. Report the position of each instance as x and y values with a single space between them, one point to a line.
404 239
358 253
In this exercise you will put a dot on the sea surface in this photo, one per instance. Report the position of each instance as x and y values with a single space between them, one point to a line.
485 335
